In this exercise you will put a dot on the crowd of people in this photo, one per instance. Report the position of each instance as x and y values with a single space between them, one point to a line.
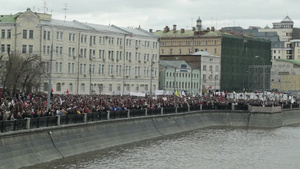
34 105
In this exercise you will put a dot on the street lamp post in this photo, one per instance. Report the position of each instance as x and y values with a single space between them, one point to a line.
264 74
49 85
151 76
90 79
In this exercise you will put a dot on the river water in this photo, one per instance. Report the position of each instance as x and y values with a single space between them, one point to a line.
200 149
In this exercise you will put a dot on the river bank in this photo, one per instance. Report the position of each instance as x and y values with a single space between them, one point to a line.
29 147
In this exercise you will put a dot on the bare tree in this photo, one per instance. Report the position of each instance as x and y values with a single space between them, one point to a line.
21 73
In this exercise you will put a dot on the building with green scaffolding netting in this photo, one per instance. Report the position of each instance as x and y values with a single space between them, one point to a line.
245 60
245 63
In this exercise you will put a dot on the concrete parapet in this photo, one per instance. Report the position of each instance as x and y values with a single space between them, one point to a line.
58 120
24 148
265 109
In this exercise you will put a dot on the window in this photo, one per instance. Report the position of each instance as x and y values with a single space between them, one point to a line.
8 33
110 87
128 87
119 87
217 68
204 67
71 87
80 68
82 87
101 88
30 34
59 35
3 33
24 48
2 48
58 87
73 68
30 50
69 67
44 50
48 50
24 34
8 48
58 67
60 50
70 51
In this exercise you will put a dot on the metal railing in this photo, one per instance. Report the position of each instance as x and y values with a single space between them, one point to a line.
47 121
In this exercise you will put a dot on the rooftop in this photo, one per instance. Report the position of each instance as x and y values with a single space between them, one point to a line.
174 63
296 62
8 18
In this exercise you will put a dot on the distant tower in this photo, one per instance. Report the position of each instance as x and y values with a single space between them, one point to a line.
199 24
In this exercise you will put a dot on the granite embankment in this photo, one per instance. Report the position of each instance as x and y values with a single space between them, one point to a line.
29 147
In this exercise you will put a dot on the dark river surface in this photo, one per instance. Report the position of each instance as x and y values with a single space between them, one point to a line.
205 148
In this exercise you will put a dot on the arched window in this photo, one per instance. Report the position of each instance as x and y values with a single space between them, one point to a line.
110 87
119 87
70 87
101 88
82 87
58 87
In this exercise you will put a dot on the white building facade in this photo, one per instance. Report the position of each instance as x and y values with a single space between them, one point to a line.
178 75
86 58
210 71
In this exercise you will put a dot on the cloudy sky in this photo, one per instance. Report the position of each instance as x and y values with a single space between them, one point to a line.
156 14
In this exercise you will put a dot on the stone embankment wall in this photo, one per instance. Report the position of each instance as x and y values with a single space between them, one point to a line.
29 147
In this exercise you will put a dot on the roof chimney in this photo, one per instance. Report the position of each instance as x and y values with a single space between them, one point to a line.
151 30
182 31
212 28
194 29
174 28
208 29
166 29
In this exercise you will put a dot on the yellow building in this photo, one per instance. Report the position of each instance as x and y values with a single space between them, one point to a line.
285 75
186 42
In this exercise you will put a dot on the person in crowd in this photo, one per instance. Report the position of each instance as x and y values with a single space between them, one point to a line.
34 105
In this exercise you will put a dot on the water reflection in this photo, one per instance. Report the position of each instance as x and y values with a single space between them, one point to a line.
206 148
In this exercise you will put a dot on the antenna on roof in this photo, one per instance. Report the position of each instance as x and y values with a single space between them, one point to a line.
65 9
45 6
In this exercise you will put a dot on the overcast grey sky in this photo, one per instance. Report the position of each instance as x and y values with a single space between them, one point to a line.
156 14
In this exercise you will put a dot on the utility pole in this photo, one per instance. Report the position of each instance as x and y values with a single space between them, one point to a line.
151 75
90 79
49 85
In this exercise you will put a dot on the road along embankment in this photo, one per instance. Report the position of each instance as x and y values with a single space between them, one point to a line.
29 147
